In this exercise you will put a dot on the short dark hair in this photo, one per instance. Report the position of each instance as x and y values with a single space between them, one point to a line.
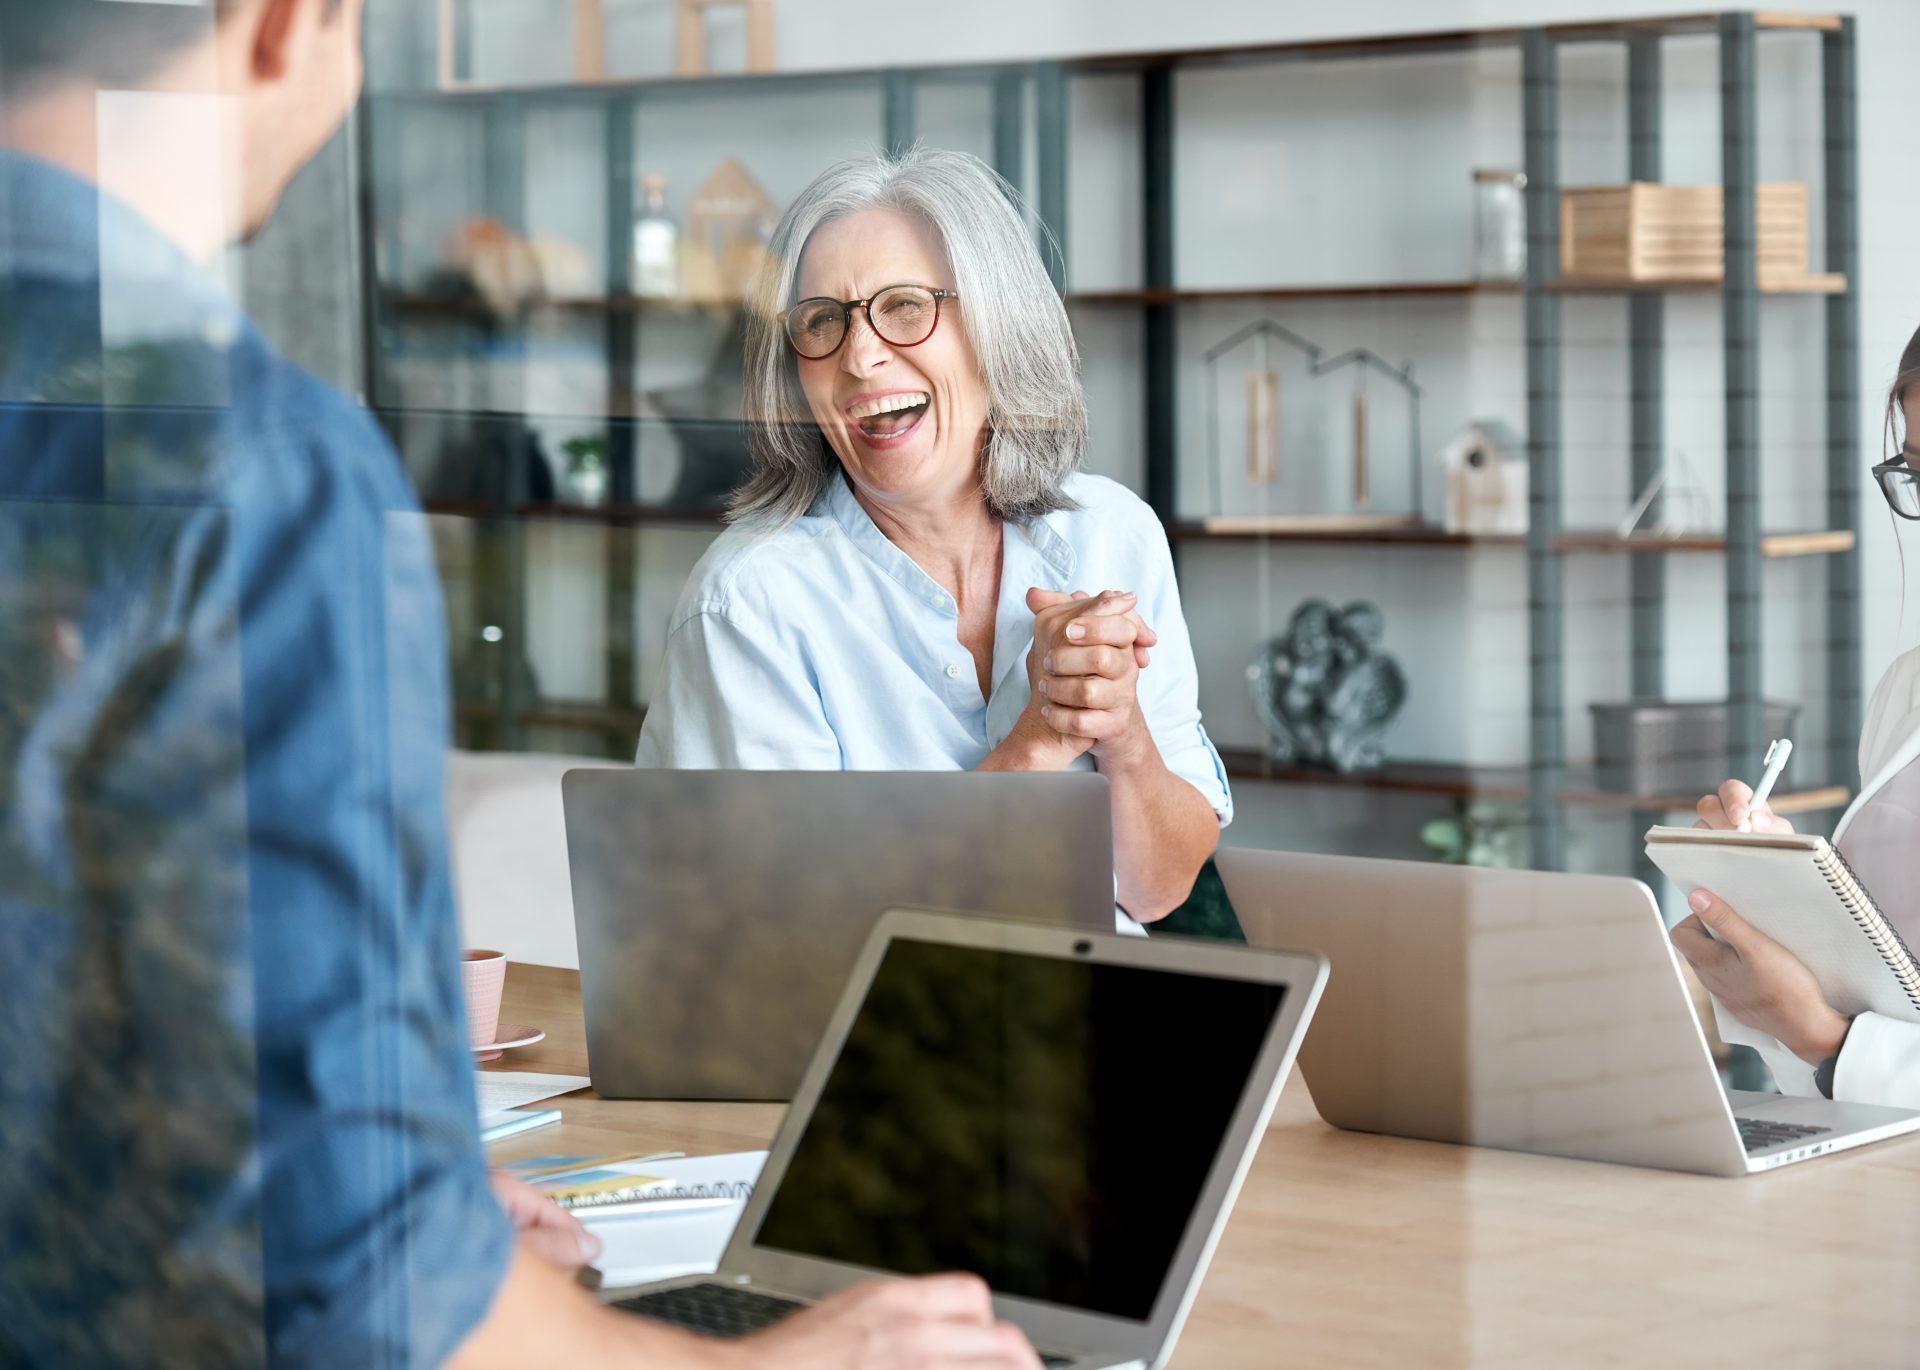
113 43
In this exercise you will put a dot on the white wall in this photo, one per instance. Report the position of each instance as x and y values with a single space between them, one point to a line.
1350 171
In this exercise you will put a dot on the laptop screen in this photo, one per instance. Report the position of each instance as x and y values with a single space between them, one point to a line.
1046 1123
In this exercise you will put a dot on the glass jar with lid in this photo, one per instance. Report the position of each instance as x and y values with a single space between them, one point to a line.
1499 224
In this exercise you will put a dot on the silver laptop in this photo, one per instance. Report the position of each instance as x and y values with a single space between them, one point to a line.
1519 1009
986 1099
718 912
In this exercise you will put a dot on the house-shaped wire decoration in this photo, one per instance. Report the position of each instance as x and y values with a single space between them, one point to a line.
1283 404
1263 390
1369 363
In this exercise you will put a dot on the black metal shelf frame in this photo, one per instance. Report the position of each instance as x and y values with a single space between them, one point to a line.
1741 294
1740 306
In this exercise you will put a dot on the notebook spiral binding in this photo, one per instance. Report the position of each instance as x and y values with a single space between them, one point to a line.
1885 937
742 1189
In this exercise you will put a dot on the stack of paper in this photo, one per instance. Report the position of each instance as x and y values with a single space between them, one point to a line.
496 1093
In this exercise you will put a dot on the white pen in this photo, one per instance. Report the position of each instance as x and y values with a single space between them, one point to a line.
1776 760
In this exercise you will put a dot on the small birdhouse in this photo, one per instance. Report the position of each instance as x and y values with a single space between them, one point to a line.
724 243
1486 476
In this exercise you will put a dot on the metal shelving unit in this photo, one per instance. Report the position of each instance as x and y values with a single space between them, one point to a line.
1032 99
1550 786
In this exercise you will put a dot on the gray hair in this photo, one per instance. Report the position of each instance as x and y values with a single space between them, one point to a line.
1036 412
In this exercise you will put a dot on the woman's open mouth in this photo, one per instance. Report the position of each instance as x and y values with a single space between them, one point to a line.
889 420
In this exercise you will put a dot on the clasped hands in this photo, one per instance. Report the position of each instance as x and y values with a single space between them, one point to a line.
1759 981
1084 671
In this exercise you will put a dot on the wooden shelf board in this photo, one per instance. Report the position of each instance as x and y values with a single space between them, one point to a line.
1676 24
1829 283
575 715
1411 43
1331 530
1782 801
610 515
1405 777
1816 23
1499 784
1334 531
1796 544
1379 290
628 515
1446 40
465 306
1811 801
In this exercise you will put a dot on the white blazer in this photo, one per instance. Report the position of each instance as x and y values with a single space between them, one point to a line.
1880 1063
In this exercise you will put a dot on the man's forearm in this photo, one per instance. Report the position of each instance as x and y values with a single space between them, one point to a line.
540 1316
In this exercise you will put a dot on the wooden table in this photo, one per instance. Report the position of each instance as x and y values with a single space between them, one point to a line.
1351 1250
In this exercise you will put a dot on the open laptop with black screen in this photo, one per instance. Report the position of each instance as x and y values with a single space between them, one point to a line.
986 1099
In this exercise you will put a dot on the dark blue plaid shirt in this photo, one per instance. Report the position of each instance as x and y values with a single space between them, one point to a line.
236 1105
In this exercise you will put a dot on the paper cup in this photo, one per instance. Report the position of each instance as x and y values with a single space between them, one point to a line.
483 974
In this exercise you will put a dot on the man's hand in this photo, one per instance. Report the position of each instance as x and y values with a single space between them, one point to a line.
940 1322
1761 983
553 1233
1728 806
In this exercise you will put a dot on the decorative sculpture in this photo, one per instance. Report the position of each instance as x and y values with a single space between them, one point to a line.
1323 689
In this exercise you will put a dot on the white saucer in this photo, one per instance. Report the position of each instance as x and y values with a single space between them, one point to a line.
505 1036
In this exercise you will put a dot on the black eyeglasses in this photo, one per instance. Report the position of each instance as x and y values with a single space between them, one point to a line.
903 315
1900 483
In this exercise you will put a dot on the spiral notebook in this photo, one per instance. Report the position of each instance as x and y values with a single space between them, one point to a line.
614 1187
1799 891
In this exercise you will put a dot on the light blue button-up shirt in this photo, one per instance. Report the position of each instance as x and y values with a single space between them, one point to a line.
825 647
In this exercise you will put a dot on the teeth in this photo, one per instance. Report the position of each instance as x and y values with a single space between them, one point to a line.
887 405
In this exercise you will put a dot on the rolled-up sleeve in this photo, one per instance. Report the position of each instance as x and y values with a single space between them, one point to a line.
735 698
1169 689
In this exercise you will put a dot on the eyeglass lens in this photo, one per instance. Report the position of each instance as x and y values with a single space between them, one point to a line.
903 315
1901 486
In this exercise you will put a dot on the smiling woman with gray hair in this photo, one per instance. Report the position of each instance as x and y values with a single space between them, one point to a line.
918 576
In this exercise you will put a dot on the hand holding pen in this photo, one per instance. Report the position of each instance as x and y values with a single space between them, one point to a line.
1737 808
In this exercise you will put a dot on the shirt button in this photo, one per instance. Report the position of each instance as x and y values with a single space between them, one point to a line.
953 673
938 601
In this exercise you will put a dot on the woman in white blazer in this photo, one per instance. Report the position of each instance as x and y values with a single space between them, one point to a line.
1810 1047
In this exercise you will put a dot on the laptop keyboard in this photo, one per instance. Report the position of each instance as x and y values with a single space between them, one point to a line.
726 1310
1757 1134
719 1310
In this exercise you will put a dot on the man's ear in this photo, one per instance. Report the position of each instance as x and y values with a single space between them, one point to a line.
275 24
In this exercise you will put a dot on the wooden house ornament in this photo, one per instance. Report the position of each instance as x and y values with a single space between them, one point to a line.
724 242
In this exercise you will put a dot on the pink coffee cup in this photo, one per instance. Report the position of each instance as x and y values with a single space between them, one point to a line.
483 974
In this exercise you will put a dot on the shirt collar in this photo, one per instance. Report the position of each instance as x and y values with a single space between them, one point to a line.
838 503
1054 549
56 226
